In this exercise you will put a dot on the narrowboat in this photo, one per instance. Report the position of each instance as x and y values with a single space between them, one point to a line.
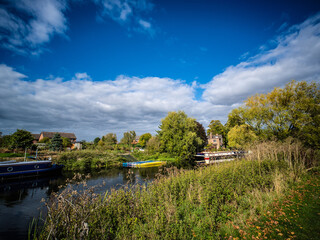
13 169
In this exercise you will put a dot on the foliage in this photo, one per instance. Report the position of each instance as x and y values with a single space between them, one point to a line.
153 145
183 204
178 135
96 141
56 142
216 127
21 139
201 133
110 139
292 111
45 140
66 142
128 137
6 141
87 159
241 136
144 138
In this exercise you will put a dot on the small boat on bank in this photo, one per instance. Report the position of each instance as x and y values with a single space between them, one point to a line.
12 169
143 164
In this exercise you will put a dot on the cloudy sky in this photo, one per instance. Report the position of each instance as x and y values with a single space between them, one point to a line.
97 66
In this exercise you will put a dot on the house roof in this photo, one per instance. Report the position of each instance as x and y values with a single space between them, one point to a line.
36 136
62 134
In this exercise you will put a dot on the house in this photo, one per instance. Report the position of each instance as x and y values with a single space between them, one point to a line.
50 135
77 145
136 140
215 140
36 137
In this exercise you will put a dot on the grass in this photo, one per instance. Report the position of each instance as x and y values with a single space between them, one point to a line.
296 215
182 204
8 155
267 196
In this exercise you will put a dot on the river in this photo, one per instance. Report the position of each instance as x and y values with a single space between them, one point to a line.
20 202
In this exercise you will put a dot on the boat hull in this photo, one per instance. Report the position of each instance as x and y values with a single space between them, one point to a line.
31 168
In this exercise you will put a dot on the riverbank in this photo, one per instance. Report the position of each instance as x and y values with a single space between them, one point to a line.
182 204
89 159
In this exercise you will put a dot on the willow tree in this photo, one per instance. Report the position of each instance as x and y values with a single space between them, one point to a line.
178 135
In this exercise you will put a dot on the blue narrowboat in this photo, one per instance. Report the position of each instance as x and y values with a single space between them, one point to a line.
12 169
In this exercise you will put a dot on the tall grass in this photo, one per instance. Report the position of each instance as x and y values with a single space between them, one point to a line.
180 204
290 151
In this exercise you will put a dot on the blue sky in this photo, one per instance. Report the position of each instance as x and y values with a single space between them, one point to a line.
99 66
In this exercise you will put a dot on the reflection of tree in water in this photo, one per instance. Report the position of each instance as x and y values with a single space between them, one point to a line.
148 173
14 197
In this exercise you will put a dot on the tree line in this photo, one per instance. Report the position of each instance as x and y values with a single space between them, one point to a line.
292 111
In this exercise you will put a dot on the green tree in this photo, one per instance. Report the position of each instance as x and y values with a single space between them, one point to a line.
292 111
234 119
144 138
241 136
128 137
56 142
6 141
96 141
45 140
201 133
178 135
21 139
110 139
216 127
153 145
66 142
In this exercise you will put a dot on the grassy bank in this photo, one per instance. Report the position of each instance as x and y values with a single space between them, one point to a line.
181 205
295 215
88 159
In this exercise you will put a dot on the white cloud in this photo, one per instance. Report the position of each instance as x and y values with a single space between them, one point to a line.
144 24
296 56
128 13
91 108
26 25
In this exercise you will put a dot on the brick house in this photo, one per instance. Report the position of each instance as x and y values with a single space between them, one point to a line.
215 140
50 135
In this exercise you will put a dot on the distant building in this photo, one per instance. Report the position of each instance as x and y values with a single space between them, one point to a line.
215 140
50 135
36 137
77 145
136 140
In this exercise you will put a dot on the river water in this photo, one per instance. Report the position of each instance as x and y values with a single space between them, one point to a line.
20 202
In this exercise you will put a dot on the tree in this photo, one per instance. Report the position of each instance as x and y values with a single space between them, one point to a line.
66 142
292 111
45 140
128 137
201 133
6 141
21 139
110 139
56 142
144 138
153 145
178 135
216 127
241 136
96 141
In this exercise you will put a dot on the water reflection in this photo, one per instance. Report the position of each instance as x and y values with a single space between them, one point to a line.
20 201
